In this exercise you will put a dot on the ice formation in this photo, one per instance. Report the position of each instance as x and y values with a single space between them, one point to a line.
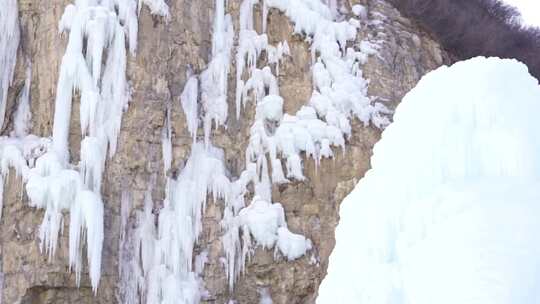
340 91
449 211
265 296
166 140
214 82
9 43
104 95
97 30
157 7
188 100
23 115
179 226
163 262
19 154
167 251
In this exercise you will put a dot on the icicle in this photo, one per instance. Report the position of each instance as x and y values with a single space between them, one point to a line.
333 6
23 116
340 92
167 255
264 16
127 13
9 43
86 214
92 162
188 101
214 79
101 27
97 30
1 194
129 270
166 142
54 189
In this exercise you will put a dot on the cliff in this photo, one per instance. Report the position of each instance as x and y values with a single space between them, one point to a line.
170 50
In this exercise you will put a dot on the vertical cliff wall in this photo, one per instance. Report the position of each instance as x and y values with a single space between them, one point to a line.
170 50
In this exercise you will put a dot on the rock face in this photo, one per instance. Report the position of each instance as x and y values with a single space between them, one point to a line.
167 49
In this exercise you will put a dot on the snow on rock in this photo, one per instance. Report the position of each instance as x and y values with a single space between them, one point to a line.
360 11
459 224
292 245
157 7
271 107
9 43
262 219
19 154
264 222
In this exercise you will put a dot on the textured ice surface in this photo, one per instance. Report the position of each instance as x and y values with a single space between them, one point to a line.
449 211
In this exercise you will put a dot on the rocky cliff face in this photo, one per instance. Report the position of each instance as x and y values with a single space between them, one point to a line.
158 73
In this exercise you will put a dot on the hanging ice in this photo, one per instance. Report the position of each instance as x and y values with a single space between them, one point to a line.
97 30
449 211
340 91
18 153
9 43
188 100
166 142
23 116
86 218
167 254
265 296
215 78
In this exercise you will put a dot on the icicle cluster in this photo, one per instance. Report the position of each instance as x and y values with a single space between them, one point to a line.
213 80
103 88
166 253
339 94
19 153
9 43
164 269
97 30
340 91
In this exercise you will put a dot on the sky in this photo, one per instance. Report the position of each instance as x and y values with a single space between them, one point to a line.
530 10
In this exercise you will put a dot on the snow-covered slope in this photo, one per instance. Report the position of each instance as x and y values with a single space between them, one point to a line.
448 213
